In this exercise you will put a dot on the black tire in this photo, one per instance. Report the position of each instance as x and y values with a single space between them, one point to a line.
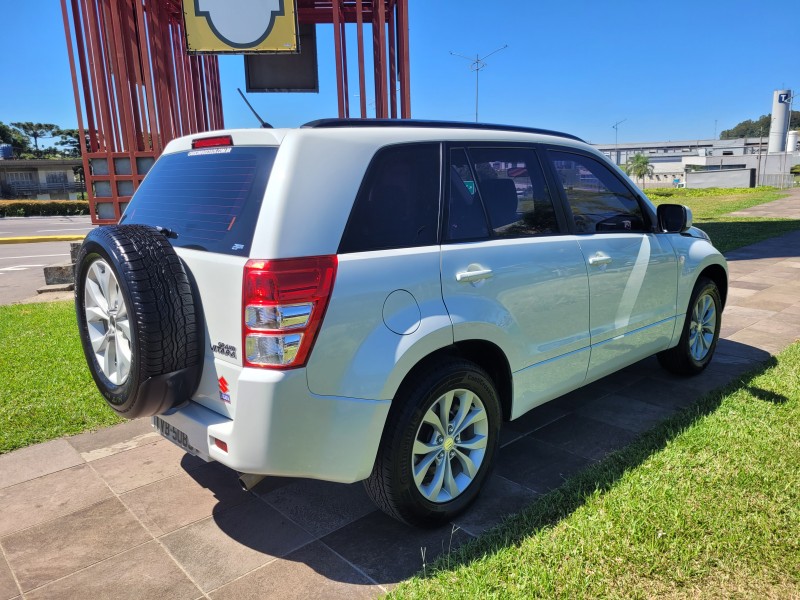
391 484
165 342
679 360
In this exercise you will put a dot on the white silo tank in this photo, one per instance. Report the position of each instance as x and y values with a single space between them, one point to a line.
779 125
791 143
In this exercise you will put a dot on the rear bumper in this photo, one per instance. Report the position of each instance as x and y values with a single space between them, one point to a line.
280 428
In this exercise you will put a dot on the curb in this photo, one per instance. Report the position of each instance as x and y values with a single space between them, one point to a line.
42 238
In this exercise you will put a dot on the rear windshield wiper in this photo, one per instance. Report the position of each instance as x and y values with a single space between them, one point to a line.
170 233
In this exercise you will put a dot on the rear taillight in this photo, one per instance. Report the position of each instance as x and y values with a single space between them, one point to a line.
283 303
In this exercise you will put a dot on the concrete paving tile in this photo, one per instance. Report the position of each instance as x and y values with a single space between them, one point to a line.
538 466
664 389
44 498
774 305
389 551
779 326
768 342
748 285
35 461
221 548
746 311
736 293
320 507
585 437
144 573
741 349
499 499
128 470
54 549
312 572
198 494
548 412
794 309
8 587
628 413
93 445
508 435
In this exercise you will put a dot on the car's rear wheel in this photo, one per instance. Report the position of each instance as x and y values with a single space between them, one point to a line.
438 444
137 319
700 332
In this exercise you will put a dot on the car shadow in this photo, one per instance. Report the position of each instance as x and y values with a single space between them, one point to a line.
550 461
763 239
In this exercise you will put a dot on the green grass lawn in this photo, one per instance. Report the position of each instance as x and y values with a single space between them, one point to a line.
710 208
47 389
706 505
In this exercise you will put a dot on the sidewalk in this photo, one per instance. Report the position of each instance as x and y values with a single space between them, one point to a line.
122 513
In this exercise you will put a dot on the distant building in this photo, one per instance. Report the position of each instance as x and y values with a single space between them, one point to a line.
40 179
674 162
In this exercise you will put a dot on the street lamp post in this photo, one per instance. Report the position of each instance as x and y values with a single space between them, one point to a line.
615 126
476 64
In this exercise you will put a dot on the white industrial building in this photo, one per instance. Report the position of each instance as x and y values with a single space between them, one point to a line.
743 162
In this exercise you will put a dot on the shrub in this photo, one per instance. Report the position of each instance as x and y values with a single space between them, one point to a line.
43 208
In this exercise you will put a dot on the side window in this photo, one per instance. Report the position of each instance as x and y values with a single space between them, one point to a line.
600 202
513 190
398 203
466 219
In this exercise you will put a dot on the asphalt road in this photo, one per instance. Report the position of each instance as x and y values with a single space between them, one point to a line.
43 226
21 268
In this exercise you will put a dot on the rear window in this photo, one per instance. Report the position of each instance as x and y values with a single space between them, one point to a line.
209 198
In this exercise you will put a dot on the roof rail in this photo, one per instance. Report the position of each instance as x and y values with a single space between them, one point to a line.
335 123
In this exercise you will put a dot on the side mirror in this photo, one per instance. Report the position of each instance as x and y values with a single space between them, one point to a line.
674 218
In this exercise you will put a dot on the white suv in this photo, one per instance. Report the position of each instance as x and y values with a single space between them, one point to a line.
369 300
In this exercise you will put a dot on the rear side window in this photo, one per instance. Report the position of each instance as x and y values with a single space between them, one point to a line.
514 193
599 201
398 203
505 186
209 198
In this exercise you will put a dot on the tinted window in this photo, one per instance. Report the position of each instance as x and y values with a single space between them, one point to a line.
210 198
398 203
513 191
600 202
466 219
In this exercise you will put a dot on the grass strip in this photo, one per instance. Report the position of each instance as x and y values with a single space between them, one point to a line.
711 208
705 505
47 388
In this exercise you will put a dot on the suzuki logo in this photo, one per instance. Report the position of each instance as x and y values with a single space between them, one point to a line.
240 23
223 385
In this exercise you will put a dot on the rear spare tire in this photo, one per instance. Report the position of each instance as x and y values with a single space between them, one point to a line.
137 319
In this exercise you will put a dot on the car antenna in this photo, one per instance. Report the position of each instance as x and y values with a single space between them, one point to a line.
264 124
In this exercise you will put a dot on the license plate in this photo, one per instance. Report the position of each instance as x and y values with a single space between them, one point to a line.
174 435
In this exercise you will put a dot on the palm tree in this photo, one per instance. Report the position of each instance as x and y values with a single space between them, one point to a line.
639 166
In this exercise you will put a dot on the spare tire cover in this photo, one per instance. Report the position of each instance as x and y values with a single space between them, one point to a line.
138 320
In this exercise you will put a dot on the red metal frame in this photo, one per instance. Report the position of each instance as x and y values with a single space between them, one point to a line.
389 22
136 88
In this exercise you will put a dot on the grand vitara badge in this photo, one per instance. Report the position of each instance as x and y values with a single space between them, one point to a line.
224 349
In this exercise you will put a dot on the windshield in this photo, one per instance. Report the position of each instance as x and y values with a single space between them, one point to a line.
208 199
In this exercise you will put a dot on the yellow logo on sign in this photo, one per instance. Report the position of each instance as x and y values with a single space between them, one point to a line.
240 26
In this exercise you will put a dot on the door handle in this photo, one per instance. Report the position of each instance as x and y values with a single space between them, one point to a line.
599 259
475 275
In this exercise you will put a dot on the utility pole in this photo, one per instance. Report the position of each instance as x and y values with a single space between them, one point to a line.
476 64
615 127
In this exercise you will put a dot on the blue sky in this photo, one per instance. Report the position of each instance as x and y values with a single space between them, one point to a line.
670 68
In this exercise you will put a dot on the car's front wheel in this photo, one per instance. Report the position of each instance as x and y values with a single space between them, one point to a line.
438 444
700 331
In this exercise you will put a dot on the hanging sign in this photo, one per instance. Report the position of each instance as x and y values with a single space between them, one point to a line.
240 26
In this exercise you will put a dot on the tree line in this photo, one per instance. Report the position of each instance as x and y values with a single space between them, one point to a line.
757 128
24 138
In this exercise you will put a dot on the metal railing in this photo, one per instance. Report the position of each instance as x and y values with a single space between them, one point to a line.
23 189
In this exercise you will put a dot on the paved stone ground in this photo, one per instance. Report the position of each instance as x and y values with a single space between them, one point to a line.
121 513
